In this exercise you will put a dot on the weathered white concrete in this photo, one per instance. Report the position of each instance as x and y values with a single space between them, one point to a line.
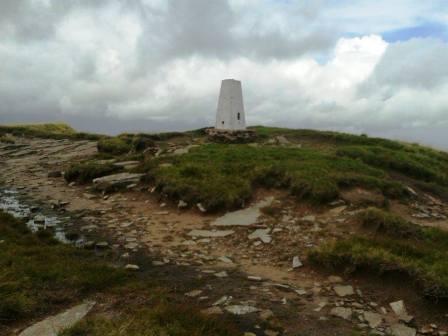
230 114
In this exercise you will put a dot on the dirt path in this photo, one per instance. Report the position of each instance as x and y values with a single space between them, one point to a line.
248 272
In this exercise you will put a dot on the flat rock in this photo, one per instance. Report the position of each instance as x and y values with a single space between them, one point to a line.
262 234
296 263
222 274
116 180
373 319
344 313
244 217
210 234
225 259
194 293
399 308
402 330
53 325
132 267
241 309
334 279
344 290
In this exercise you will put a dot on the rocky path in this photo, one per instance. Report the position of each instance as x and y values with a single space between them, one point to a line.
247 263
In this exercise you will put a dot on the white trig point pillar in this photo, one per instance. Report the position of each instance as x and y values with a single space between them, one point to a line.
230 115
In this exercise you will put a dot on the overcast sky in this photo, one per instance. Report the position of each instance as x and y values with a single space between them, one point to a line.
377 67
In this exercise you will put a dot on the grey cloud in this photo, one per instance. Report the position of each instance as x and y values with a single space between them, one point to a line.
417 63
45 77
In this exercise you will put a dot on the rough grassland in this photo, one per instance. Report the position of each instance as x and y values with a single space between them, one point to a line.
223 176
49 131
37 273
393 244
39 276
87 171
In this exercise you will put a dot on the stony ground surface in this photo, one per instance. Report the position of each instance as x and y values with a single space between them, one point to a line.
256 270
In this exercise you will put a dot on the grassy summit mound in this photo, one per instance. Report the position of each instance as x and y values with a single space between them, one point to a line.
222 176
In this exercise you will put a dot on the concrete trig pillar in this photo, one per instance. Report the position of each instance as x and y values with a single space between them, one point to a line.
230 115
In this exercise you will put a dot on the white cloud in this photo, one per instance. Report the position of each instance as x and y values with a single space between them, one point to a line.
162 61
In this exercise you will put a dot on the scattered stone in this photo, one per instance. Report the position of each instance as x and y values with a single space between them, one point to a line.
210 234
223 300
309 218
343 290
131 246
296 263
399 308
158 263
225 259
254 278
402 330
132 267
212 311
241 309
335 279
53 325
244 217
39 219
116 180
266 314
102 244
201 207
341 312
90 227
89 196
161 213
337 211
194 293
428 329
222 274
182 204
262 234
300 291
320 306
373 319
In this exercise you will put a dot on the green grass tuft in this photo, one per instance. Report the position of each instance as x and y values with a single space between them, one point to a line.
87 171
114 146
47 131
173 320
393 244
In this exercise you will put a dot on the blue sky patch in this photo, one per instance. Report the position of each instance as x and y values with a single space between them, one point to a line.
424 30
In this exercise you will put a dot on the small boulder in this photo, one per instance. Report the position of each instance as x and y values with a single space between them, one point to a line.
344 290
341 312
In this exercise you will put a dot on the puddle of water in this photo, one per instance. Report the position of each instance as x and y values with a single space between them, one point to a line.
11 202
